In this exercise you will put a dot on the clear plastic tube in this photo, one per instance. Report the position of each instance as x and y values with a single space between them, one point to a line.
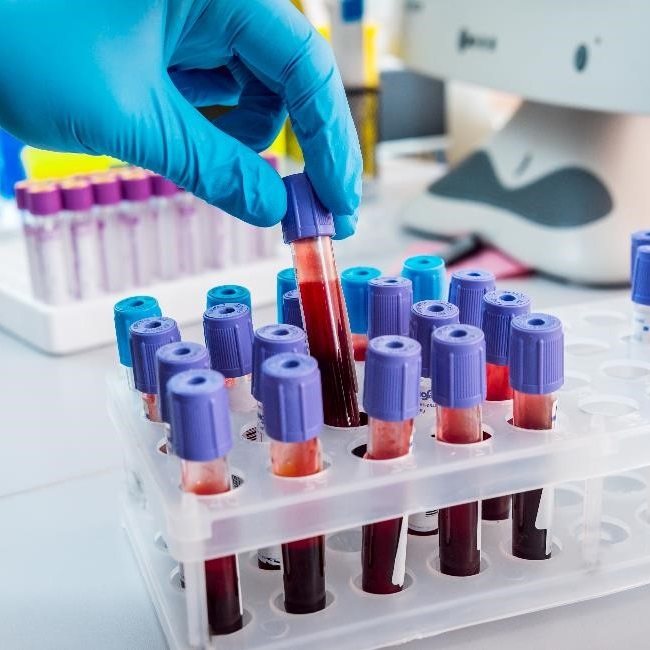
188 234
151 406
87 265
303 561
215 226
327 327
221 574
532 511
459 526
166 212
383 553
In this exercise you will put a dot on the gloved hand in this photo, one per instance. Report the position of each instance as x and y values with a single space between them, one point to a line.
123 78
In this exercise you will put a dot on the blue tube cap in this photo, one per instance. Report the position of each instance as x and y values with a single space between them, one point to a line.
146 337
292 397
458 378
428 275
389 306
641 277
200 421
270 340
391 389
228 331
354 282
536 354
306 216
285 281
466 291
639 238
427 316
174 358
228 293
291 314
499 308
125 313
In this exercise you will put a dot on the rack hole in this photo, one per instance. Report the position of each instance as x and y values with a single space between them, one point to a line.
624 485
567 496
586 347
611 533
575 381
357 583
604 318
626 369
162 447
434 565
608 405
278 603
345 541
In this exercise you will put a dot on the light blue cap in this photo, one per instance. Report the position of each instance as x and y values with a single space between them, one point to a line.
354 282
126 312
286 281
427 273
228 293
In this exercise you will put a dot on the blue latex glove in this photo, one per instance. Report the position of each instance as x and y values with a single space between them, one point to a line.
123 78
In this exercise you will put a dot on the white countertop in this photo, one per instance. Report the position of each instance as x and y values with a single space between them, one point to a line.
69 579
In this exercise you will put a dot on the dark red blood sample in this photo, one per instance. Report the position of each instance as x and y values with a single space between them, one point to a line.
498 389
528 541
379 555
458 531
359 346
304 575
222 587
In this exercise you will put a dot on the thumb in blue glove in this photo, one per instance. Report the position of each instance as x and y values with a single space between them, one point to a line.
125 79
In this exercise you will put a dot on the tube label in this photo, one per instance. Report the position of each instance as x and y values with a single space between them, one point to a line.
399 568
641 325
544 517
427 405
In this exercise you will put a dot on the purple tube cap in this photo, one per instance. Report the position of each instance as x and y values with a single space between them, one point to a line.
228 331
458 378
390 299
270 340
77 195
136 185
20 192
641 276
499 308
466 290
106 189
173 358
291 314
427 316
391 389
44 199
199 417
306 216
145 337
536 354
160 186
292 397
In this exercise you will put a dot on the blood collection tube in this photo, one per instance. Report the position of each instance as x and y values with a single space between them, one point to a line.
309 227
458 389
188 229
166 212
107 195
137 229
536 373
499 308
125 313
291 314
354 282
390 299
641 296
285 281
20 190
293 404
202 439
391 400
466 291
428 275
426 317
215 226
639 238
172 359
228 332
87 272
268 341
146 336
228 293
50 242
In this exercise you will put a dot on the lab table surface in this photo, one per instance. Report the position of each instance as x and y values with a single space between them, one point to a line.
69 579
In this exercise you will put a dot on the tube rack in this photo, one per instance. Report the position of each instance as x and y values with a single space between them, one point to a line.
601 527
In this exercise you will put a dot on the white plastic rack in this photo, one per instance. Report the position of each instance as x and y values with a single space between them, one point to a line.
596 458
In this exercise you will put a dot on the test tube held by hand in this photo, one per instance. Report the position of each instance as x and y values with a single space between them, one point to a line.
536 373
308 227
202 438
293 407
426 317
458 389
391 400
146 336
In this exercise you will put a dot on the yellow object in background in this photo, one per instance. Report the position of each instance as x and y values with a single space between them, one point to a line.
41 165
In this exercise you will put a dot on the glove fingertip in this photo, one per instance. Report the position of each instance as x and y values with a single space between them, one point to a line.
345 226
